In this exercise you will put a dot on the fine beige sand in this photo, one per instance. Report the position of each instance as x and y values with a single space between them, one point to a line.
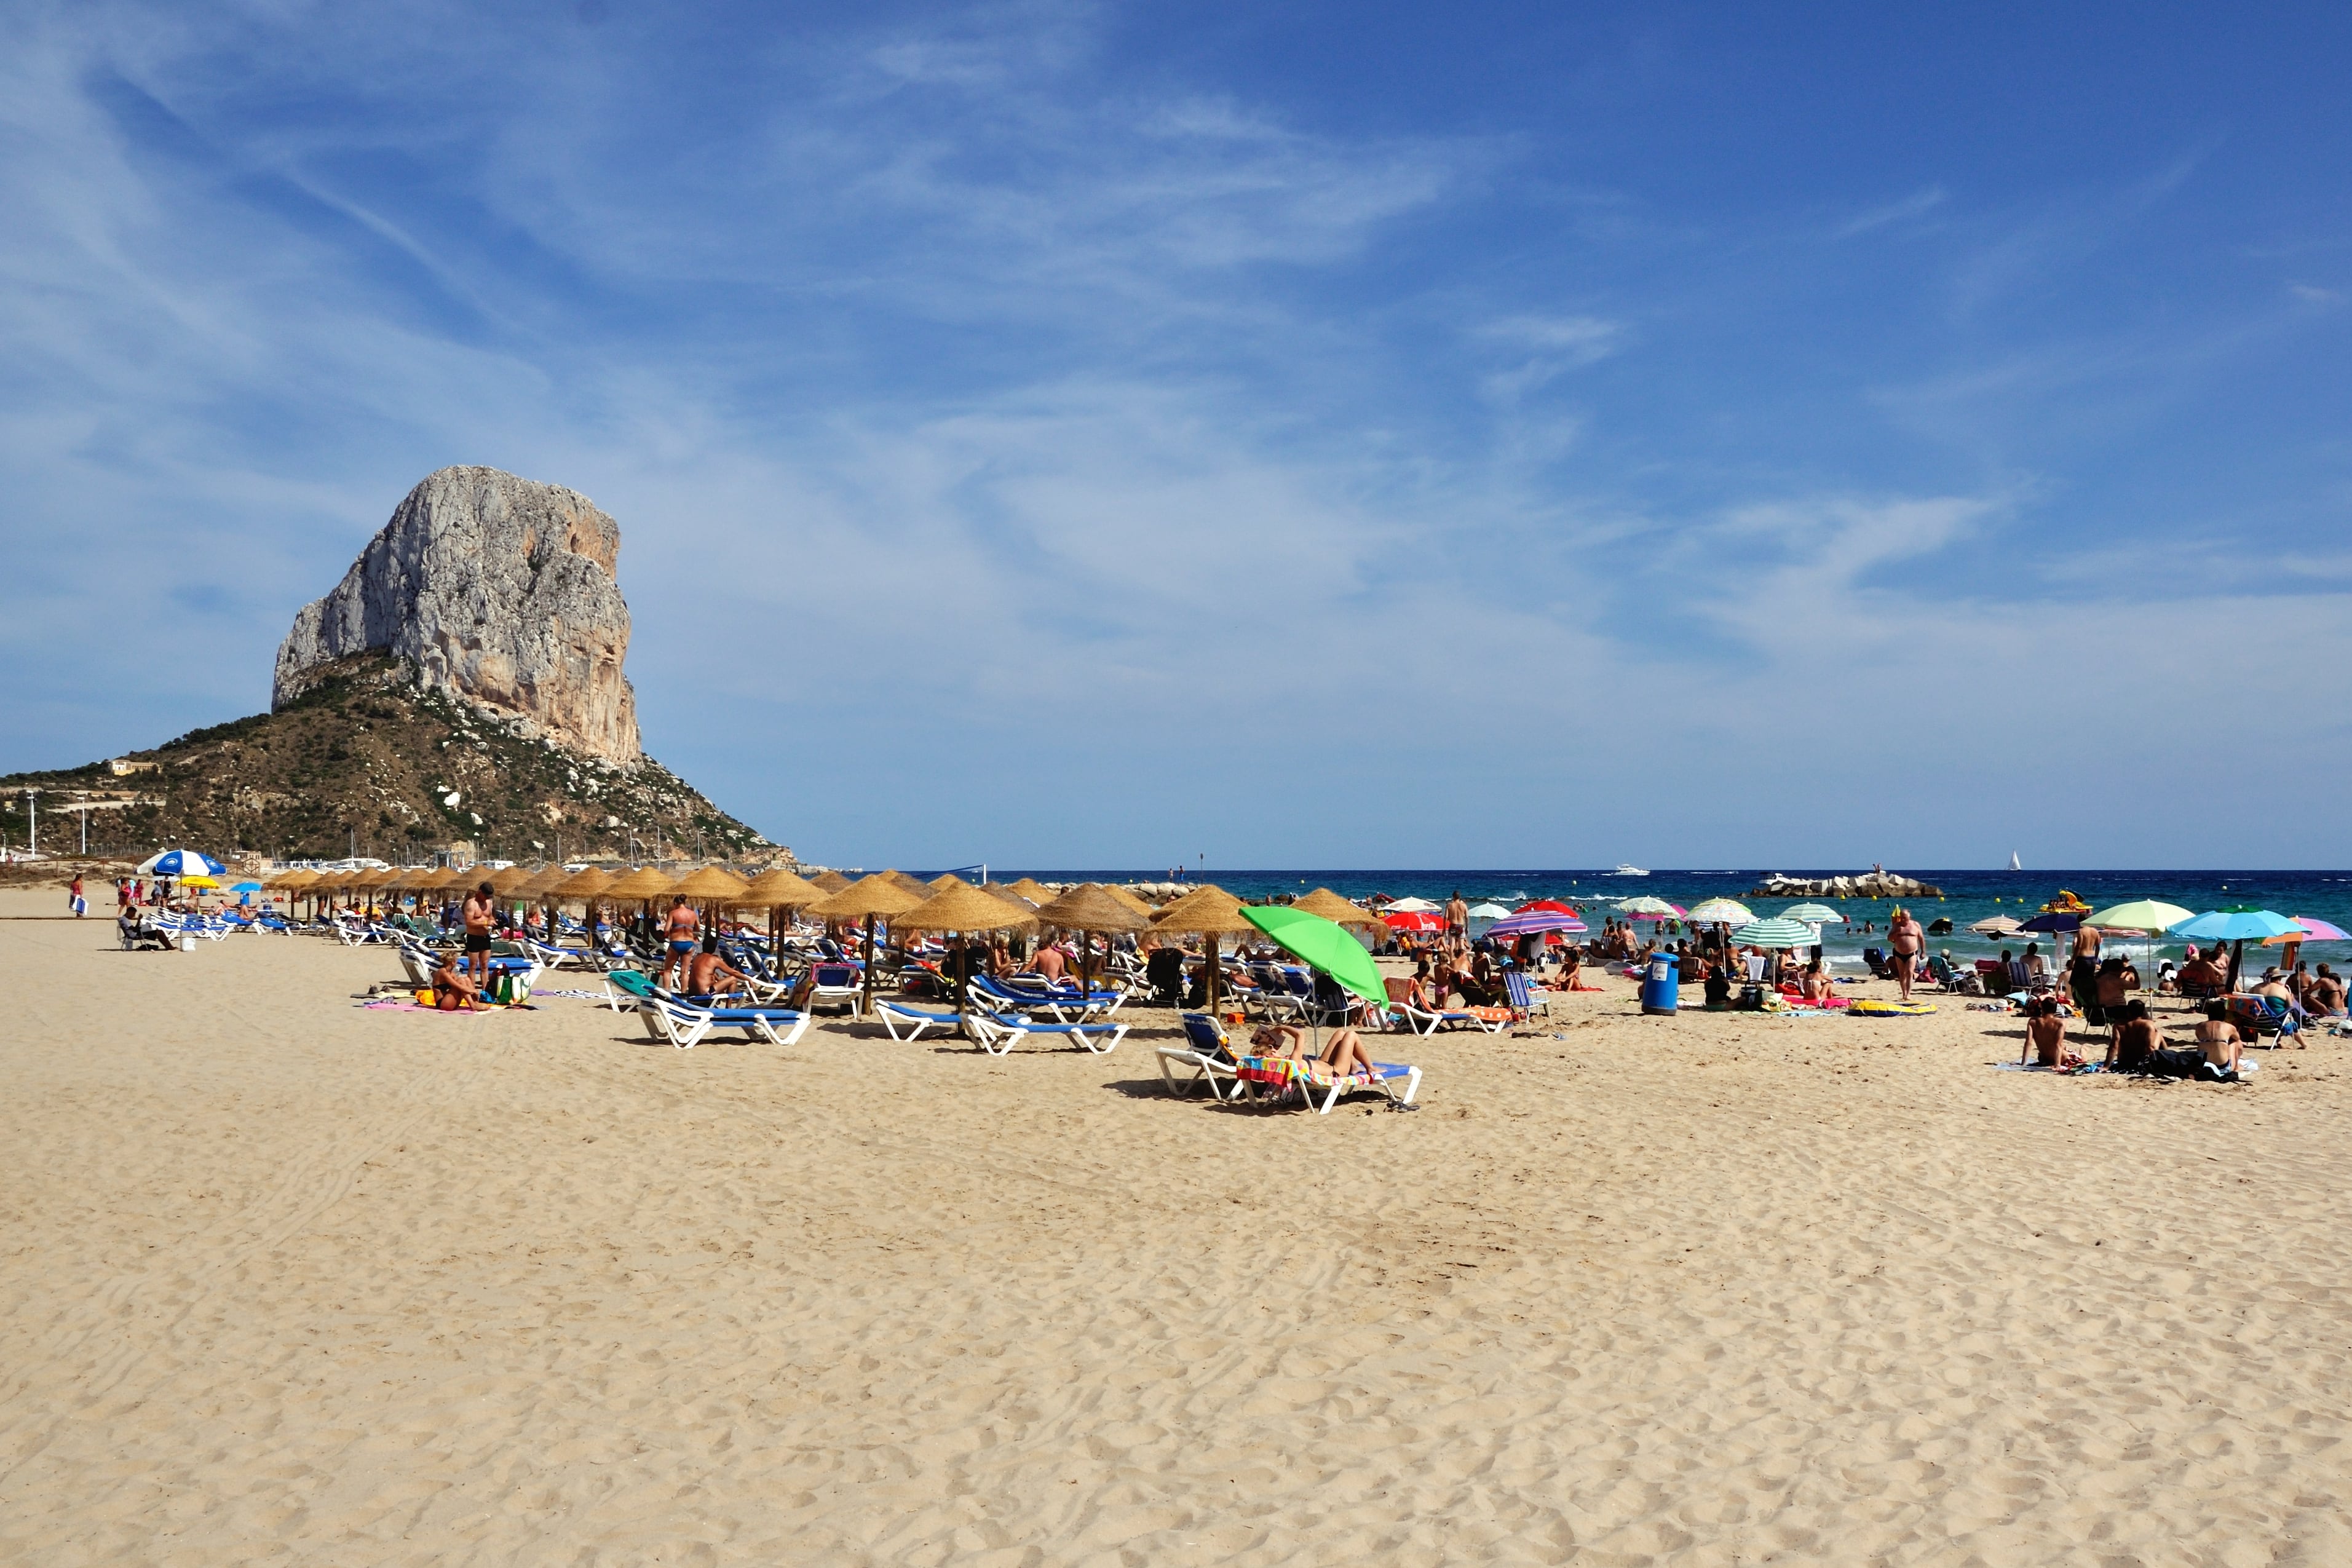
283 1280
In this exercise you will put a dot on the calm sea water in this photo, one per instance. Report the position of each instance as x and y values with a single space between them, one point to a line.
1968 896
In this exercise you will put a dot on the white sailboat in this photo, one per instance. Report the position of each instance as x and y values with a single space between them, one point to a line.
2012 862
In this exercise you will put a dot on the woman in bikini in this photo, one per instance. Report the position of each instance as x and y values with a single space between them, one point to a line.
1343 1053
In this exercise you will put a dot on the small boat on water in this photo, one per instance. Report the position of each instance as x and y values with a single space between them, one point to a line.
1625 871
2012 862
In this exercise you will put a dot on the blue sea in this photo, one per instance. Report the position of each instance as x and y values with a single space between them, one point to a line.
1968 896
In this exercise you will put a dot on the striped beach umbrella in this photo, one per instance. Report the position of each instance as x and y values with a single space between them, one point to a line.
1813 914
1527 923
1721 911
1779 931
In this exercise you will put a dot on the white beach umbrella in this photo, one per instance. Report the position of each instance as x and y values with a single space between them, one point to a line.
1412 906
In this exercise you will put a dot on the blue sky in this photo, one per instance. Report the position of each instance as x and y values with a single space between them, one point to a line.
1068 435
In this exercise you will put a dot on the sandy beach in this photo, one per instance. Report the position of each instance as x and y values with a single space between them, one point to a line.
289 1280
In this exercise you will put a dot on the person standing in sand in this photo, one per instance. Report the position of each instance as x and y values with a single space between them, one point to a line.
683 926
1908 942
1457 917
479 914
74 900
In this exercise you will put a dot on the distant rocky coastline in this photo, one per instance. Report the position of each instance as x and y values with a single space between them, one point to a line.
1869 885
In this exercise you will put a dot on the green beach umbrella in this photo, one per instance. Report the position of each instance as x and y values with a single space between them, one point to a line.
1780 931
1813 914
1322 945
2145 915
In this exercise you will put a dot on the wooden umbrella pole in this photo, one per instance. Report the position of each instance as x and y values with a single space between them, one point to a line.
866 1005
1212 978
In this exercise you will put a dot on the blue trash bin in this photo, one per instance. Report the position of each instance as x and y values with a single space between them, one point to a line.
1662 987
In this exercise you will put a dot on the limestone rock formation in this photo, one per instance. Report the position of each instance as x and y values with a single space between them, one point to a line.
1869 885
498 590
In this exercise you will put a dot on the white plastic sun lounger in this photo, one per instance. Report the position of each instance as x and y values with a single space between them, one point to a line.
683 1025
997 1034
1208 1052
897 1015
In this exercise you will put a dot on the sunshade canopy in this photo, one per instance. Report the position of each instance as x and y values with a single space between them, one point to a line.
1410 906
1527 922
711 882
294 881
1479 911
780 888
960 906
511 880
1412 919
1036 891
1817 914
1323 945
2233 925
869 897
1333 908
179 863
585 884
831 881
1206 911
645 882
1779 931
1645 905
2055 921
1996 925
1091 908
2144 915
1730 912
2314 930
1133 899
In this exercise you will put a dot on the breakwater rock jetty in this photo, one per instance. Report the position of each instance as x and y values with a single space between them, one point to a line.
1869 885
498 591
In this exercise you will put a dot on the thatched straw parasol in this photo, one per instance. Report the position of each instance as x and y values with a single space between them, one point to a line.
864 900
506 883
593 882
1036 891
1133 899
1024 905
961 907
1337 910
1091 909
914 885
830 881
776 891
714 883
640 886
1209 911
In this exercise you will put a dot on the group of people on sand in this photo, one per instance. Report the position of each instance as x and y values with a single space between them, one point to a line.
2135 1042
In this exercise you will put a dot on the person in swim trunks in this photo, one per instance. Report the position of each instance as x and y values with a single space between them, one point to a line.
684 925
711 975
480 915
2137 1039
1908 942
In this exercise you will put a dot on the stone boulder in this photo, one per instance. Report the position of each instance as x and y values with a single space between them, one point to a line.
1869 885
498 590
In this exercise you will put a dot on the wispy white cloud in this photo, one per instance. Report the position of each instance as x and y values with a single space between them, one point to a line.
1918 204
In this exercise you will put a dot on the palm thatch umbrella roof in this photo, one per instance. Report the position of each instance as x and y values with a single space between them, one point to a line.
781 890
294 881
511 880
914 885
869 896
1036 891
542 882
716 882
432 881
1207 910
1091 908
1337 910
830 881
1008 895
645 882
1133 899
961 907
587 884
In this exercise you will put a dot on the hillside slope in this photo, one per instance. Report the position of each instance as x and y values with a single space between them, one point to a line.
365 762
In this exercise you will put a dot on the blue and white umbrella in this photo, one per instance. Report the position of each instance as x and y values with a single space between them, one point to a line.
181 863
2231 925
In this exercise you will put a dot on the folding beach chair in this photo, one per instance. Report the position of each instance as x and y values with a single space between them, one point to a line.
1208 1051
1525 1003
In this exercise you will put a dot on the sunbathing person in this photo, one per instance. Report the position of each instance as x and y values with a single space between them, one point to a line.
2045 1035
453 987
2201 973
2135 1042
1050 964
2327 994
2218 1038
1814 985
707 974
1343 1053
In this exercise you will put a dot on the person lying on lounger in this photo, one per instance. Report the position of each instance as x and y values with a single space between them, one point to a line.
453 988
1343 1053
